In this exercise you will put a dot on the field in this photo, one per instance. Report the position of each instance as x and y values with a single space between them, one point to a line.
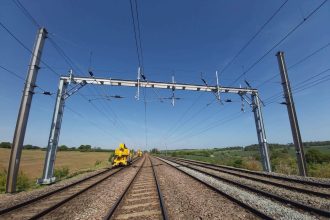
72 161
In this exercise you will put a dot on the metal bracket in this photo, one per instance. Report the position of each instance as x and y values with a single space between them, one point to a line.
218 91
173 89
137 96
74 89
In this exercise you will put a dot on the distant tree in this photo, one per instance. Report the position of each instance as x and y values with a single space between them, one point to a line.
252 147
154 151
63 148
30 147
96 149
85 147
5 145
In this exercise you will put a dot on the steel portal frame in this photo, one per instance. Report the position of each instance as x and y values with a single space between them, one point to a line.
48 171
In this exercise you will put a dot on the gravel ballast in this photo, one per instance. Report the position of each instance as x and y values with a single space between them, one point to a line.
186 198
267 206
311 200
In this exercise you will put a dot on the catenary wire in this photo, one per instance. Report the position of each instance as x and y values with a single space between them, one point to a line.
253 37
279 42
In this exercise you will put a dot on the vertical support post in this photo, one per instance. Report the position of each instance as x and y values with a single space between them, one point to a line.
48 173
292 115
263 146
24 110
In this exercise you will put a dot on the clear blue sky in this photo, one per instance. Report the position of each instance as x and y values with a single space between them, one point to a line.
180 37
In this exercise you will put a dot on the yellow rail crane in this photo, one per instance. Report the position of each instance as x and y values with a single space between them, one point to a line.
123 156
139 153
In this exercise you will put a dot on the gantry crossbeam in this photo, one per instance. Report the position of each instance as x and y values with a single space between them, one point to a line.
158 85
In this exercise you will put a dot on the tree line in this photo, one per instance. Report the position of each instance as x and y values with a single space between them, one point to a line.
81 148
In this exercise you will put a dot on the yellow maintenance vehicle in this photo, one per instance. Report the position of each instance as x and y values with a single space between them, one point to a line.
139 153
122 156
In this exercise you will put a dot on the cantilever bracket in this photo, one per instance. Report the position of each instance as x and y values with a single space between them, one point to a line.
74 89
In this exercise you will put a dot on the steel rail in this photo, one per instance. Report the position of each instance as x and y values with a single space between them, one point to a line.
233 199
220 169
264 193
306 182
161 199
34 200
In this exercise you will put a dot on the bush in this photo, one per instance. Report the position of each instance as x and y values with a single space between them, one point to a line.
62 172
319 170
315 156
23 182
238 163
252 164
3 179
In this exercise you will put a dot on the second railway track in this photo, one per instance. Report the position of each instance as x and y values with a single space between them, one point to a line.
308 187
232 183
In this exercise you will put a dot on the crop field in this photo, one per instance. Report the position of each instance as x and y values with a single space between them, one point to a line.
32 161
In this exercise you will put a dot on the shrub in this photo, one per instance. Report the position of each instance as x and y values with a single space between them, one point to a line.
23 182
238 162
62 172
319 170
285 165
252 164
3 179
315 156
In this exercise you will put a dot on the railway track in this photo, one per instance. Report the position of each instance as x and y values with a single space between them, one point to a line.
250 173
142 199
307 187
215 173
40 206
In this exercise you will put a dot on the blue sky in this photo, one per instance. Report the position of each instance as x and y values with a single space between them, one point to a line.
183 38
